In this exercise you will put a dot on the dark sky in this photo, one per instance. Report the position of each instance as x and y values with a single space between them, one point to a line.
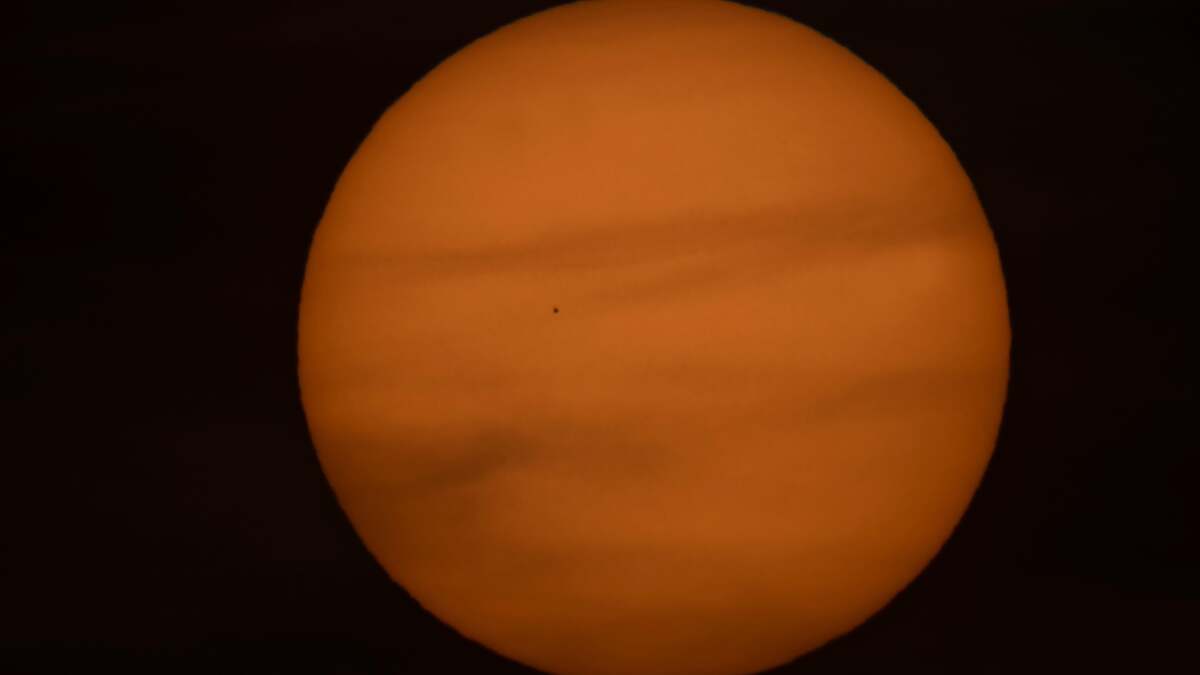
164 168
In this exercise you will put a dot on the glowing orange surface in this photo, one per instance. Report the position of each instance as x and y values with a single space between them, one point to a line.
775 373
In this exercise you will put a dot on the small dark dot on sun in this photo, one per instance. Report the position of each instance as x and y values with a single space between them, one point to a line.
556 310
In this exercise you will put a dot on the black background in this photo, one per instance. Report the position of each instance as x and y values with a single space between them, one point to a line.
165 164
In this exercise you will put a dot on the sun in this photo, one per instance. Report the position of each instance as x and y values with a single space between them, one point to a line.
653 337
